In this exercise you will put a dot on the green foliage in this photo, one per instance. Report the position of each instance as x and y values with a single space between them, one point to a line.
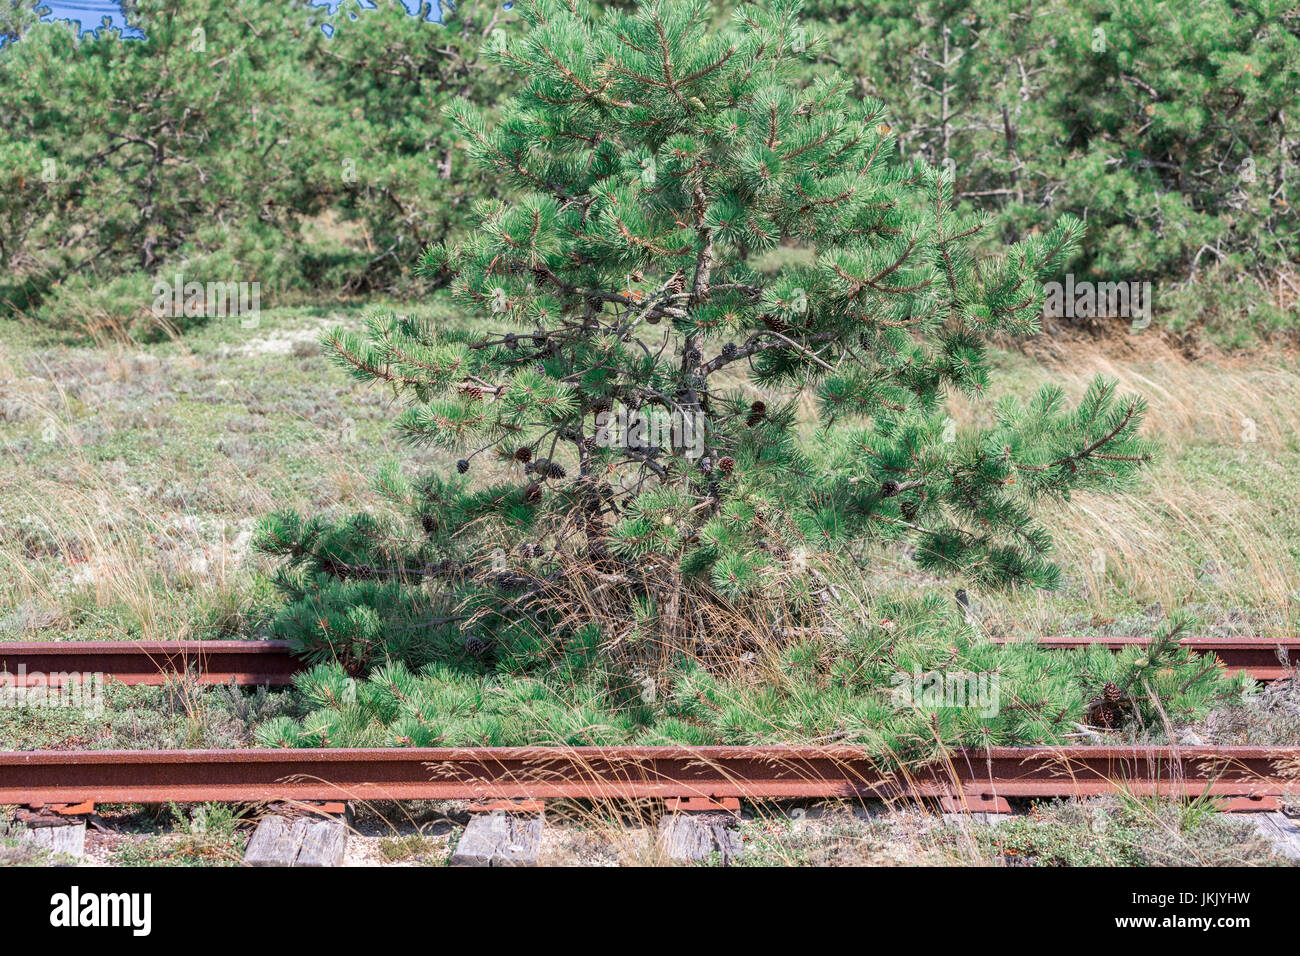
235 142
619 281
857 690
123 155
1228 309
322 164
394 171
1164 124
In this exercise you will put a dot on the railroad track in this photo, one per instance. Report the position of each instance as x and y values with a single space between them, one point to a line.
49 663
54 663
60 786
1263 660
1244 778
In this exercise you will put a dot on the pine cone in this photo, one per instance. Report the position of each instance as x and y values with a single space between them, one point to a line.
909 508
428 524
462 466
1107 710
524 454
589 443
533 493
476 645
602 406
726 464
889 489
730 351
554 470
715 489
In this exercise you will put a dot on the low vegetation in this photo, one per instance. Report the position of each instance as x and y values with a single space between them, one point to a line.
1108 831
143 475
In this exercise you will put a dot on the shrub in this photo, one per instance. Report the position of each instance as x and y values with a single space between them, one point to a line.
654 157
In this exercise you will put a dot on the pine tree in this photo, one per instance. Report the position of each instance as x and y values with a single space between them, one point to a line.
382 151
207 147
1165 122
879 693
172 153
661 165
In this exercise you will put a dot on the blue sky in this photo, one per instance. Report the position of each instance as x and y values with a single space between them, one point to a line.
90 13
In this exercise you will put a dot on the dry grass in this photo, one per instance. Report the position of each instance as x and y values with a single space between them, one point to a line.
1212 525
133 477
1218 400
137 474
649 634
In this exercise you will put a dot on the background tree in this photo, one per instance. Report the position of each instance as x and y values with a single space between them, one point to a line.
135 156
234 142
655 158
1167 126
382 78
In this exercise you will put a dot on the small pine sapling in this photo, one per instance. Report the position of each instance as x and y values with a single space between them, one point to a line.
608 420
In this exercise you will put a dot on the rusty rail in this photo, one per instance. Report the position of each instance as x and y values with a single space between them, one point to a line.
54 663
270 662
1263 660
51 663
1245 778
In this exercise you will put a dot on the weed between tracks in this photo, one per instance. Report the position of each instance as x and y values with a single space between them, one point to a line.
202 835
1107 831
1117 830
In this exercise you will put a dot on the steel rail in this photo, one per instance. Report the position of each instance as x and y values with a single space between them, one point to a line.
1253 778
1263 660
58 663
51 663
